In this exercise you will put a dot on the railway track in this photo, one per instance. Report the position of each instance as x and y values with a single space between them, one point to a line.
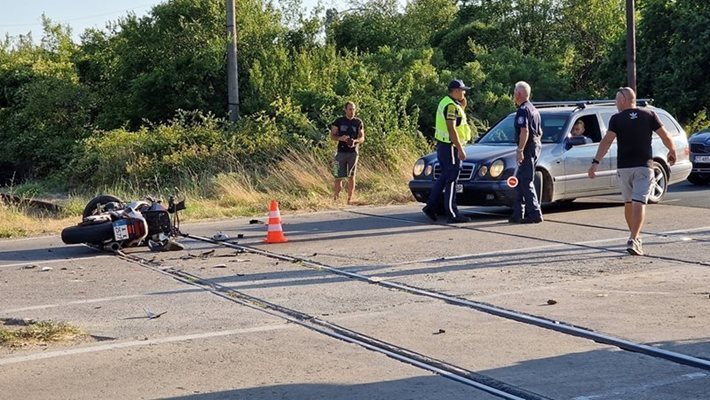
472 379
447 370
535 320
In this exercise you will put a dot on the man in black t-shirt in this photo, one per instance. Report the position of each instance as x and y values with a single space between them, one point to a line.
349 132
633 130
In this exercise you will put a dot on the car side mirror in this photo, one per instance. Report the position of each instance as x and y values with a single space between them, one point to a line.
577 140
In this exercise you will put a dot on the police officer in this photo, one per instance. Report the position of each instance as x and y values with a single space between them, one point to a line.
528 132
452 132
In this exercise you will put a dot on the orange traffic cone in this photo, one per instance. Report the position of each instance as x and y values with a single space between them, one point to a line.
275 233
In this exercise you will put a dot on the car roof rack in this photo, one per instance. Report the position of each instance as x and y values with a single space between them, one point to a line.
582 104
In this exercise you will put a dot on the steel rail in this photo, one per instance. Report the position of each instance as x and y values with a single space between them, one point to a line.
478 381
559 242
530 319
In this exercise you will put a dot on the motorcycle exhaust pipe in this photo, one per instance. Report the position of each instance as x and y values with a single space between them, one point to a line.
114 246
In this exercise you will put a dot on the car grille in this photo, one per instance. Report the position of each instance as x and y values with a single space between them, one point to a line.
699 148
465 174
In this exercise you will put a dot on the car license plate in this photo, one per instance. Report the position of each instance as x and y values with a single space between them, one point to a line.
120 229
459 188
702 159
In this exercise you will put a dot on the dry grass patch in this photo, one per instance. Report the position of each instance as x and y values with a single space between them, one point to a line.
304 181
19 222
300 181
21 333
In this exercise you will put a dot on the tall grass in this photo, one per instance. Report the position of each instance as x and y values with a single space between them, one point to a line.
21 221
302 180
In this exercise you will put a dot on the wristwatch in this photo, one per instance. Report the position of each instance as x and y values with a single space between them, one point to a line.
595 161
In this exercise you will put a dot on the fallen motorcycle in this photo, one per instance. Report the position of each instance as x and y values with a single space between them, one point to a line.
109 223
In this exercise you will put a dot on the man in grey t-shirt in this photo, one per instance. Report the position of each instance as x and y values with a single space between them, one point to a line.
633 130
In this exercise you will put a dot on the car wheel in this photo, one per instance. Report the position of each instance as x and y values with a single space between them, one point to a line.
538 183
697 179
659 183
97 201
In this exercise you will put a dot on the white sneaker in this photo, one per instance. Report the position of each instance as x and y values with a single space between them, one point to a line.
634 247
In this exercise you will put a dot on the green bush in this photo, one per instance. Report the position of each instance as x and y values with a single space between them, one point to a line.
174 153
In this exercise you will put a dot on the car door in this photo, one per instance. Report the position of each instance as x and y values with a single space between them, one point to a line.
611 154
577 159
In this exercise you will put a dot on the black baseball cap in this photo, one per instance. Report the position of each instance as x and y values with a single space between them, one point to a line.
458 84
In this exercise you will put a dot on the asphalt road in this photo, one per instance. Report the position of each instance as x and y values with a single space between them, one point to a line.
233 342
685 194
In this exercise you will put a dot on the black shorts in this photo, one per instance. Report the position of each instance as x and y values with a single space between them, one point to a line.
345 164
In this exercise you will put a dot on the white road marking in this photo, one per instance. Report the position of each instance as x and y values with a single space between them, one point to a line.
621 240
30 262
71 303
138 343
639 389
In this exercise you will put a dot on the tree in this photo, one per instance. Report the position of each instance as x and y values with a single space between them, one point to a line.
44 111
674 52
591 29
173 58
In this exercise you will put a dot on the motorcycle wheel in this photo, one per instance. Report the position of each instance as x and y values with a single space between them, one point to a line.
91 206
92 234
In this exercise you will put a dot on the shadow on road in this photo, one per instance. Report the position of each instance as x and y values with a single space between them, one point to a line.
36 255
585 375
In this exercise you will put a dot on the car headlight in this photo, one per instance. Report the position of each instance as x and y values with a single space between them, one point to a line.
428 170
482 171
419 167
496 168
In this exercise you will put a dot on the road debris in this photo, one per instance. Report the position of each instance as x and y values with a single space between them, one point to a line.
151 315
220 236
207 253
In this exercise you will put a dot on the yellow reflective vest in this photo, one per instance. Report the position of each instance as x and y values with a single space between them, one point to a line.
463 131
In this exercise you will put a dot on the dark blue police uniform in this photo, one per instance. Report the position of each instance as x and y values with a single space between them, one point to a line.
526 207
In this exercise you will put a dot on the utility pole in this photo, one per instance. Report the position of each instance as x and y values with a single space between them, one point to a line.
630 45
232 72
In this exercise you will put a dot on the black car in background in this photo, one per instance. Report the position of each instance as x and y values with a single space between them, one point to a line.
700 157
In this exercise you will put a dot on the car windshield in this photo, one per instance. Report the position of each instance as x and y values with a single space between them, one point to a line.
504 131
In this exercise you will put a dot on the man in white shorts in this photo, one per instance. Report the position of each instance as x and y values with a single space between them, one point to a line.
633 130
